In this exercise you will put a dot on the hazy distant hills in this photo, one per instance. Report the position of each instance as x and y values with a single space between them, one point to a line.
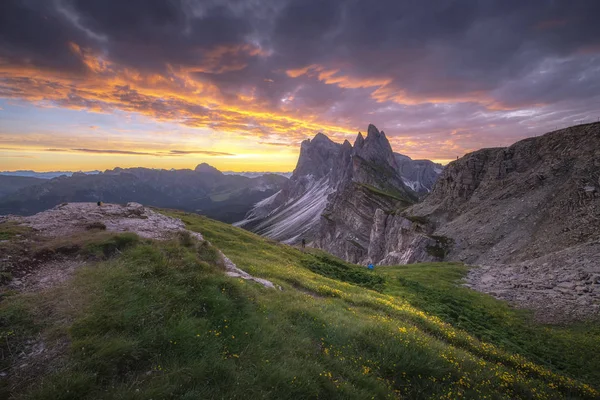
56 174
248 174
204 190
43 175
11 184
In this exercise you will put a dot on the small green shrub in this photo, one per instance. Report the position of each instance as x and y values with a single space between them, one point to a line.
185 238
112 244
10 229
5 277
209 254
336 269
441 248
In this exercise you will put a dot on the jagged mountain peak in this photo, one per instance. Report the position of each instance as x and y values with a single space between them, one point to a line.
321 137
375 147
330 178
316 156
373 131
359 142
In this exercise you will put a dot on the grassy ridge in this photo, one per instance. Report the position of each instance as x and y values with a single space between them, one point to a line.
161 320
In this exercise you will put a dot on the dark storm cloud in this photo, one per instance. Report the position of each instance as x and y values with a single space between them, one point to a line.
446 48
33 32
155 32
447 68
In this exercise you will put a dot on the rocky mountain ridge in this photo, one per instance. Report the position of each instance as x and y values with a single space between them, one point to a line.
529 214
329 178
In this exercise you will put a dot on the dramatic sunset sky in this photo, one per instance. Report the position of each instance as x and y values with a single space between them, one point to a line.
95 84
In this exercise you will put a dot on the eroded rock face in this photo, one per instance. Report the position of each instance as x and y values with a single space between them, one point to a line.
528 213
332 195
419 175
294 213
521 202
398 240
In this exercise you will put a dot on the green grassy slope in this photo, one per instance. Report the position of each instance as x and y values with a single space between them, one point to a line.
162 320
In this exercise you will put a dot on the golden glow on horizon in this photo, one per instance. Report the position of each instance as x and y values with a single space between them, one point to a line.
258 137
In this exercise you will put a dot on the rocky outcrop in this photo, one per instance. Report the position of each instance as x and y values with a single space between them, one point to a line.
529 214
72 219
533 198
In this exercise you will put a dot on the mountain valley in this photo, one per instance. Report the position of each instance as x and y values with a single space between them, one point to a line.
204 190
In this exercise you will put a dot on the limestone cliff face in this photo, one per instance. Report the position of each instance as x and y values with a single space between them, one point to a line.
529 214
502 205
370 183
294 213
333 194
537 196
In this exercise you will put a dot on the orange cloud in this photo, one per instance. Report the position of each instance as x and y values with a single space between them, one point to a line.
177 95
335 77
384 89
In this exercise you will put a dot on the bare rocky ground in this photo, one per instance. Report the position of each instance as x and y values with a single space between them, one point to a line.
34 272
561 287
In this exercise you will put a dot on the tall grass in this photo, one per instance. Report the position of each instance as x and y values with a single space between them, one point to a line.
161 320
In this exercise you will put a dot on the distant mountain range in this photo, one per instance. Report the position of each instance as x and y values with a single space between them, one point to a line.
203 190
335 189
44 175
256 174
56 174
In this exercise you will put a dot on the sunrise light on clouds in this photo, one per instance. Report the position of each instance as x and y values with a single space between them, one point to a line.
239 84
